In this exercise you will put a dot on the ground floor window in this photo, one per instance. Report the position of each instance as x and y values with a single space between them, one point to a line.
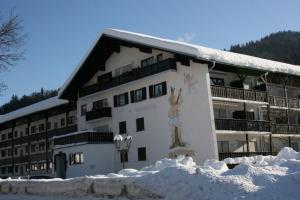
142 154
76 158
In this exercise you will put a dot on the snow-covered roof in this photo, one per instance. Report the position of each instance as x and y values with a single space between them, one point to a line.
39 106
193 50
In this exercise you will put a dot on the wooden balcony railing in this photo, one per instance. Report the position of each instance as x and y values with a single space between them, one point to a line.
90 137
242 125
134 74
238 93
285 129
222 156
284 102
97 114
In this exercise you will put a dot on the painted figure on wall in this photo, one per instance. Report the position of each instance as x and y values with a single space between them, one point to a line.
175 102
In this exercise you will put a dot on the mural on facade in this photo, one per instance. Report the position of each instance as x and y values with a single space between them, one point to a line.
178 146
190 81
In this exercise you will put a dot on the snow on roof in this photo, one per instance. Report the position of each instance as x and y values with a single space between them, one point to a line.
196 51
39 106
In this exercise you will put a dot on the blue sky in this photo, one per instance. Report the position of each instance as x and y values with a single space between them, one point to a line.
61 31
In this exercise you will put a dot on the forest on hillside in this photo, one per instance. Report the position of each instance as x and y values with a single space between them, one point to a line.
283 46
26 100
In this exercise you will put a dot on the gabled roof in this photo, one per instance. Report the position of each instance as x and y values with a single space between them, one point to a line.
190 50
37 107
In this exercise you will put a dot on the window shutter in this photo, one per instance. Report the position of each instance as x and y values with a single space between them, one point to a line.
126 98
132 96
151 91
164 88
144 93
115 101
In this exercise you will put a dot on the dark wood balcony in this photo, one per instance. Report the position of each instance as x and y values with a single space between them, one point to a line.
98 113
89 137
285 129
62 131
134 74
238 93
242 125
222 156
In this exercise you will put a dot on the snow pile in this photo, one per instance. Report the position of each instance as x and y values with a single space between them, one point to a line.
259 177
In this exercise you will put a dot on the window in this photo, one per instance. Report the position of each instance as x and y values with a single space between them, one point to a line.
32 148
10 169
121 100
3 137
159 57
10 135
16 151
122 127
142 154
76 158
41 147
3 153
16 134
100 104
138 95
71 120
9 152
217 81
83 110
55 125
147 61
223 146
33 129
48 125
34 167
3 170
62 122
158 90
41 127
124 156
140 124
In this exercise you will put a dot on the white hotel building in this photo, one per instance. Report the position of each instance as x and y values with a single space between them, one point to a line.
172 98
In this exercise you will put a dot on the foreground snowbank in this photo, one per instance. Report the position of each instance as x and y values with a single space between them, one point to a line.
259 177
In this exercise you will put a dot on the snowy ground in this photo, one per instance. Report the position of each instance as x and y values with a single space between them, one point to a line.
259 177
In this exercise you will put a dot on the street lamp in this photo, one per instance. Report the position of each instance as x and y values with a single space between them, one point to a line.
122 145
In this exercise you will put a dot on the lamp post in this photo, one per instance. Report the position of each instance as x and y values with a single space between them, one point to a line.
122 145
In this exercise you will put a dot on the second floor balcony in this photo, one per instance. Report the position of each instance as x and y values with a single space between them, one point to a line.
238 93
293 129
134 74
242 125
98 113
87 137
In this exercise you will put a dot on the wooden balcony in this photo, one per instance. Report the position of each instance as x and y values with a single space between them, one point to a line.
238 93
222 156
89 137
62 131
97 114
242 125
284 102
285 129
134 74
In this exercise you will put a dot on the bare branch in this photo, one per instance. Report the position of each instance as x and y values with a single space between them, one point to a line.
11 41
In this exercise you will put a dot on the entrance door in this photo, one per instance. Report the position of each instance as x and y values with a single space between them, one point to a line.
60 165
